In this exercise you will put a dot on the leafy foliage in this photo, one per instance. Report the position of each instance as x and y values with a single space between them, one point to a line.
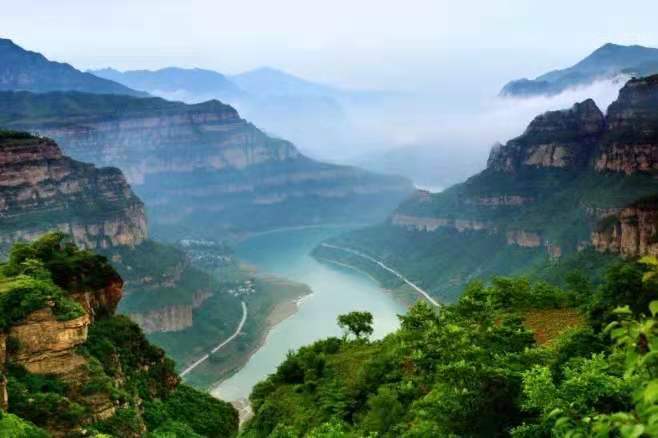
358 324
475 369
119 367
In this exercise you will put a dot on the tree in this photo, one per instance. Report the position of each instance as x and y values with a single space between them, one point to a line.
357 323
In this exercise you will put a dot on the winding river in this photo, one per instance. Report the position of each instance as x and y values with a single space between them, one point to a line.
336 290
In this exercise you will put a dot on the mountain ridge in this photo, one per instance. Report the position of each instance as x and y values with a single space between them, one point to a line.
566 186
21 69
610 61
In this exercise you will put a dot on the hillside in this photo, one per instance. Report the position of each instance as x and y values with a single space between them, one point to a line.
201 169
511 358
21 69
71 367
310 115
575 181
607 62
182 307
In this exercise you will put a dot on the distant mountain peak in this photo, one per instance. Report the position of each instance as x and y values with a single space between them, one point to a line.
607 62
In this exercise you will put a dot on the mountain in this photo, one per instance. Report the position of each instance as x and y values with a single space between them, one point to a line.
195 84
574 182
41 190
180 296
512 357
201 169
607 62
267 81
72 367
310 115
30 71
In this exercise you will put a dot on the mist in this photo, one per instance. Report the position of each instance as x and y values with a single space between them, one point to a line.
437 144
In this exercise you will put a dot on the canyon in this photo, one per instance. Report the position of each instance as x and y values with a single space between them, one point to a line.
201 169
576 180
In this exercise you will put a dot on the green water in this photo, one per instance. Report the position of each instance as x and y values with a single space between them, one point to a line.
336 290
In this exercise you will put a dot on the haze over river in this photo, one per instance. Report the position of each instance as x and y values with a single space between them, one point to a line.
336 290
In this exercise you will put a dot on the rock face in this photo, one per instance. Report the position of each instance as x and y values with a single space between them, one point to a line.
562 139
201 165
525 239
631 144
65 367
432 224
167 319
631 232
171 318
41 190
47 346
572 181
557 149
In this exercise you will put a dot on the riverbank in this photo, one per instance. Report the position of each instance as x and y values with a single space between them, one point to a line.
403 293
335 292
405 298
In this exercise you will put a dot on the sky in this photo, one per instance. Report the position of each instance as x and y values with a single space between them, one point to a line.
381 44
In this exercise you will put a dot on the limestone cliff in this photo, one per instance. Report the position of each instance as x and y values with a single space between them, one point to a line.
202 167
571 181
562 139
632 232
631 143
43 190
68 363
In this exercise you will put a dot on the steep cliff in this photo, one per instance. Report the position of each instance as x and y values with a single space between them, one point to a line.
573 180
68 363
41 190
201 168
633 231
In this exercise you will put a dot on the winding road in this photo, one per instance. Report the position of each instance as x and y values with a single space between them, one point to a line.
217 348
383 266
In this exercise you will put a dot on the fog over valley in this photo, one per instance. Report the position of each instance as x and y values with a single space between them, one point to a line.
328 219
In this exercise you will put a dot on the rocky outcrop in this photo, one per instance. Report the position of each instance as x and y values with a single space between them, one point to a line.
525 239
48 346
562 139
501 201
102 301
202 163
432 224
167 319
43 190
631 144
631 232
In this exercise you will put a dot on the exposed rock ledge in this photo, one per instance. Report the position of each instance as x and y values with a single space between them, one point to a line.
632 232
502 200
432 224
171 318
47 346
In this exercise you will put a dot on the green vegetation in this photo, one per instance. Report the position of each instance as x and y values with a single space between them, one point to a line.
116 368
474 368
359 324
12 426
14 135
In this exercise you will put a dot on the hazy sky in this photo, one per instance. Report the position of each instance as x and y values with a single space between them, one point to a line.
359 43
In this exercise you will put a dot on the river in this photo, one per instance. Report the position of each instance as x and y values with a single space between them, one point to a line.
336 290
